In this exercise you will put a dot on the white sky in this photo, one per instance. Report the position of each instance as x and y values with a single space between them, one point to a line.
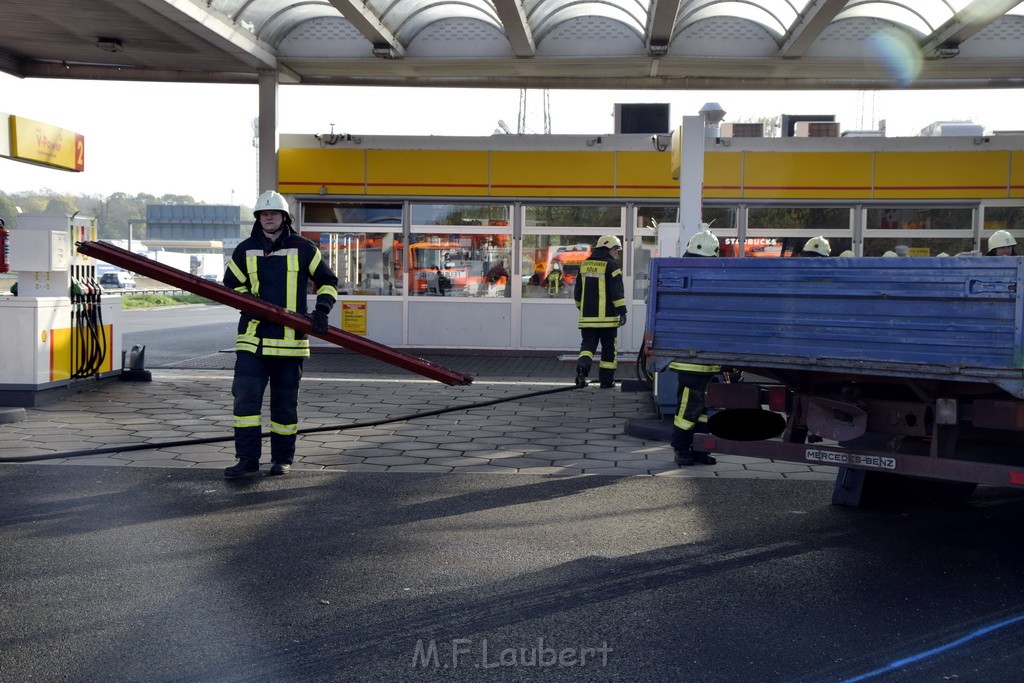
166 138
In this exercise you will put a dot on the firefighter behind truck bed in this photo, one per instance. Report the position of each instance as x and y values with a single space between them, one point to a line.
274 264
693 381
601 300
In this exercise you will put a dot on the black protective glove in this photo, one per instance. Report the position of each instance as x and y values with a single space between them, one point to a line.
622 319
318 321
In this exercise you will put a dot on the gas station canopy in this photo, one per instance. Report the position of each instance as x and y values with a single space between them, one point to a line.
601 44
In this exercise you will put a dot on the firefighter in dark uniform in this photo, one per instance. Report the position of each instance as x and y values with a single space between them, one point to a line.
274 264
693 381
601 301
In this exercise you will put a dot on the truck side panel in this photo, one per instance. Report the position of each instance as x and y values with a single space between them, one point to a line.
954 319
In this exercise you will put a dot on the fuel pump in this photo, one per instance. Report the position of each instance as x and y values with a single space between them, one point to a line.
61 331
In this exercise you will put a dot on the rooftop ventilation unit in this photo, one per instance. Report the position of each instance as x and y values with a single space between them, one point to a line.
816 129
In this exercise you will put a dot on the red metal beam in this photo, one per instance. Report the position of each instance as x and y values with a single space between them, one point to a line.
249 304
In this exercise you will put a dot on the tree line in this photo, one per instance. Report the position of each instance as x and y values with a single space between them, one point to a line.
112 213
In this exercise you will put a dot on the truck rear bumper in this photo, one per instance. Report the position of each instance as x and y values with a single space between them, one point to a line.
892 463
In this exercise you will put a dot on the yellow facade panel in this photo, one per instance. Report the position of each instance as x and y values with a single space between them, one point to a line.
426 172
553 174
1017 174
807 175
941 175
644 174
723 172
305 171
62 340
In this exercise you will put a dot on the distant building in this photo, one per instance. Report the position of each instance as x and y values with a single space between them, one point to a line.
194 222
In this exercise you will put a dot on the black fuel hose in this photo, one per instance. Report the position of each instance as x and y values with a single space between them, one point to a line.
311 430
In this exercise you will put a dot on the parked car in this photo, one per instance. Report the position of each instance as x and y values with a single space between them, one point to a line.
118 280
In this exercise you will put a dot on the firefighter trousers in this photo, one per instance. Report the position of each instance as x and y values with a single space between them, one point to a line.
608 338
691 417
252 374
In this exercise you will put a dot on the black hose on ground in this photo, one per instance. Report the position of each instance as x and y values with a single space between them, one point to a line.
311 430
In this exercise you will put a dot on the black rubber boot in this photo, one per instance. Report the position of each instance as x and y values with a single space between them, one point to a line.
703 458
581 375
243 467
278 468
684 458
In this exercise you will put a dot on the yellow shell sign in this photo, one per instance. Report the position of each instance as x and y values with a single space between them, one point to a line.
44 144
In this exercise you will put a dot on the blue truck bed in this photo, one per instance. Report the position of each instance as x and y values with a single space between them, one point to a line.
949 319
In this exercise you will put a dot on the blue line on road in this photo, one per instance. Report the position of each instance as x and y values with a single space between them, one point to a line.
934 651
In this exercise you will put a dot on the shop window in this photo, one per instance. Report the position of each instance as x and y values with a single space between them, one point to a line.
792 227
918 231
653 216
460 264
916 246
574 216
341 213
460 214
645 247
366 263
551 264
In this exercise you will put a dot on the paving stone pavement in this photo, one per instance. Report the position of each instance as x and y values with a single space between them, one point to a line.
357 417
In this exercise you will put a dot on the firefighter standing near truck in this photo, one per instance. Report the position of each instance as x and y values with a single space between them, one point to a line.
1001 243
693 380
274 264
601 300
816 247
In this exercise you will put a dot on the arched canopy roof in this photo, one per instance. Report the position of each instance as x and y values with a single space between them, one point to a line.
610 44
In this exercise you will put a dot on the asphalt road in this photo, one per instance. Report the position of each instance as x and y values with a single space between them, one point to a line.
175 334
133 574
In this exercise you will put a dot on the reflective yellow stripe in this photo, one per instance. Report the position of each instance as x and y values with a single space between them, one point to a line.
233 267
679 420
284 430
694 367
244 421
329 290
586 354
292 281
287 353
315 262
251 265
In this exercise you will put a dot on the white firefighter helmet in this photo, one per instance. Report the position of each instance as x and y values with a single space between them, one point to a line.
942 254
818 245
847 253
703 244
609 241
890 254
270 201
1001 238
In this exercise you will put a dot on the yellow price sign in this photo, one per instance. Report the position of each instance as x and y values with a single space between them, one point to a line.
44 144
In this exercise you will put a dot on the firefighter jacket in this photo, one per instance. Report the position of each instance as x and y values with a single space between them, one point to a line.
278 273
598 290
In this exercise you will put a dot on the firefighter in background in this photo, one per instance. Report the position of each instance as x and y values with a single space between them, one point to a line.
273 264
816 247
554 280
1001 243
537 279
601 300
693 380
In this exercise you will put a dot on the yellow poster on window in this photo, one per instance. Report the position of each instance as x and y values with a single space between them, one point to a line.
353 317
